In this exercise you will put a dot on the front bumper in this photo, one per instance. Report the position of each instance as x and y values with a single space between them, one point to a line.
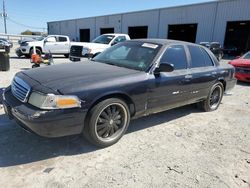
242 77
46 123
77 58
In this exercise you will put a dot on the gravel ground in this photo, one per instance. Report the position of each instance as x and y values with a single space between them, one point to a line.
183 147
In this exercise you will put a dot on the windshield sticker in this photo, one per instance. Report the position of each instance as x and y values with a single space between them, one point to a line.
148 45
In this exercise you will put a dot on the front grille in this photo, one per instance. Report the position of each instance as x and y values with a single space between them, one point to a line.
20 89
244 70
76 51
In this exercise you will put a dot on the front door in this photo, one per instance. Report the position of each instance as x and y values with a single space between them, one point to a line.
171 89
50 45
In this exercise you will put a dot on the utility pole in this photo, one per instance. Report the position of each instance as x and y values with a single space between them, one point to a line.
4 15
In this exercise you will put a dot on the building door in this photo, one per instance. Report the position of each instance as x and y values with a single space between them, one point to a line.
238 36
84 35
138 32
107 30
183 32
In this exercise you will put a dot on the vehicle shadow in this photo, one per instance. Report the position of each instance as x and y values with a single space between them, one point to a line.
243 83
19 147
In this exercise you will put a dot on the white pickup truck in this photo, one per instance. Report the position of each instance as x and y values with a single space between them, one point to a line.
55 44
90 49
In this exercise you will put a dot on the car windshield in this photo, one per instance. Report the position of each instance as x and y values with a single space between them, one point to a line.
246 56
38 38
132 55
103 39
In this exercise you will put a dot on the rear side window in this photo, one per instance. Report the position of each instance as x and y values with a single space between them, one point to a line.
197 57
120 39
207 58
176 56
62 39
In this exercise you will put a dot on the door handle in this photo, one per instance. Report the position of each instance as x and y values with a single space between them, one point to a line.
188 76
214 72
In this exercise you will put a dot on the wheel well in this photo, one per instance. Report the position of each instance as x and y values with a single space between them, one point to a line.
223 83
37 47
121 96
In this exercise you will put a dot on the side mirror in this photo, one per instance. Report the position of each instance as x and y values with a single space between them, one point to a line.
164 67
114 43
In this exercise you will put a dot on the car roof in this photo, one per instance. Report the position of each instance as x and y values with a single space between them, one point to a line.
115 34
164 41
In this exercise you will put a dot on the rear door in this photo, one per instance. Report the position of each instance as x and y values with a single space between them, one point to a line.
63 45
203 71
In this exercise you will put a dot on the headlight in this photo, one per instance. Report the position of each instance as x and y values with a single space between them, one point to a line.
51 101
24 44
86 51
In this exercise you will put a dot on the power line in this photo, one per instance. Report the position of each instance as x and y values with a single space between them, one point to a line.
24 25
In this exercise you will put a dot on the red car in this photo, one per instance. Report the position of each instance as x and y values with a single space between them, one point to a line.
242 67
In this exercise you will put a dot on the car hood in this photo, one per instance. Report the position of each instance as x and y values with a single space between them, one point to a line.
33 43
89 45
70 76
240 62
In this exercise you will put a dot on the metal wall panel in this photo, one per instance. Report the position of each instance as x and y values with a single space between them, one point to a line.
147 18
211 18
203 15
87 23
113 21
54 28
237 10
68 28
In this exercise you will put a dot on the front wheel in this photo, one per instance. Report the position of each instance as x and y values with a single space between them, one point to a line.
214 98
38 52
107 122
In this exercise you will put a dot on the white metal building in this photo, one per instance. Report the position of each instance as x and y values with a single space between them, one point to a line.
224 21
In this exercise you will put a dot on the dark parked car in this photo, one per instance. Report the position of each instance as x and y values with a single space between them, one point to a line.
4 47
7 42
215 47
128 80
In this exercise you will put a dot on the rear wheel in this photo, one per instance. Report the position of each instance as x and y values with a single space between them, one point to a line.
107 122
214 98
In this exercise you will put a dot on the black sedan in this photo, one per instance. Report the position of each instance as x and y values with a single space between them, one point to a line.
128 80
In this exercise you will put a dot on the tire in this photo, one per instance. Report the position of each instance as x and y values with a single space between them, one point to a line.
107 122
66 55
38 51
214 98
35 66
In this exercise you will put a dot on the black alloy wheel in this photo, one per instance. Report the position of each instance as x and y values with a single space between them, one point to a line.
107 122
214 98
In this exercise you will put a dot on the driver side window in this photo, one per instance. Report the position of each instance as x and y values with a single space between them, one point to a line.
51 39
176 56
119 39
